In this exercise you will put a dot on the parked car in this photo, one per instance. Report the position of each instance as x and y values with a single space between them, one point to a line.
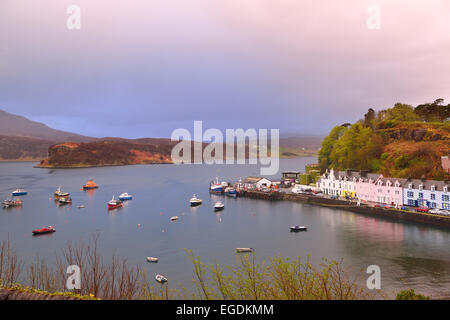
334 197
422 209
444 212
435 211
405 208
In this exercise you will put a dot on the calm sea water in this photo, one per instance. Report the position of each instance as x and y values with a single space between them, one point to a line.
409 255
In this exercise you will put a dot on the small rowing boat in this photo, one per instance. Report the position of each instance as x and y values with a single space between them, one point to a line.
152 259
174 218
241 250
298 228
160 278
44 230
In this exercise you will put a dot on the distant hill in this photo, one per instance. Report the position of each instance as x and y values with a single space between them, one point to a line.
18 126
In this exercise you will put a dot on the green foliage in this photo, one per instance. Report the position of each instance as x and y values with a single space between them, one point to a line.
435 111
410 295
401 112
401 162
327 146
384 156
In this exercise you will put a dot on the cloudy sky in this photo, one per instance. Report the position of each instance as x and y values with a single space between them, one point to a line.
142 68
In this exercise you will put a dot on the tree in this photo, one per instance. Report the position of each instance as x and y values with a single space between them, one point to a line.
435 111
327 146
401 112
369 118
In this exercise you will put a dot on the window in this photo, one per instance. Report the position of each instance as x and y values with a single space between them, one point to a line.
397 192
410 186
445 206
445 197
379 190
433 188
433 196
420 195
445 189
420 187
433 204
410 194
410 202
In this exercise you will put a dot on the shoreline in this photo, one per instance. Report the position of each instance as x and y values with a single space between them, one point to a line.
96 166
394 214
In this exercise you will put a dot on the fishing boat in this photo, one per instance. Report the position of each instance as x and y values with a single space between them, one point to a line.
298 228
113 203
90 185
44 230
195 201
174 218
240 250
160 278
125 196
216 187
19 192
219 206
231 192
8 203
65 200
152 259
59 194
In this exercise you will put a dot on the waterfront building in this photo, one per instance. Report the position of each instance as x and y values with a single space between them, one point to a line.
426 193
291 176
331 183
256 182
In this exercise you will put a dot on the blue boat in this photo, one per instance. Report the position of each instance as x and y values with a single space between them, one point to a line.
216 187
231 192
125 196
19 192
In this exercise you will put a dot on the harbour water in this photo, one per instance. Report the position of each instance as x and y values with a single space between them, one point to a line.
409 255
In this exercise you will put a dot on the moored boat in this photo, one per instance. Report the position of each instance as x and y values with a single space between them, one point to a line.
240 250
298 228
90 185
219 206
160 278
59 194
113 203
195 201
12 203
231 192
216 187
44 230
174 218
65 200
125 196
19 192
152 259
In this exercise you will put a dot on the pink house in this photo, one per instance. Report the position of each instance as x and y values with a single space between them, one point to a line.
376 188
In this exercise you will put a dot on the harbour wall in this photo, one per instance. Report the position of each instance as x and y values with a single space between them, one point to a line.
396 214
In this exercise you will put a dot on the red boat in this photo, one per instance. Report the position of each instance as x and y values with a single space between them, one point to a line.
44 230
113 204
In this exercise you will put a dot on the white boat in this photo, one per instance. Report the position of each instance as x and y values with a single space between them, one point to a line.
81 206
152 259
125 196
174 218
298 228
160 278
245 249
195 201
219 206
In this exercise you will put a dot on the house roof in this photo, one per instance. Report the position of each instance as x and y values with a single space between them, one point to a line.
427 184
252 179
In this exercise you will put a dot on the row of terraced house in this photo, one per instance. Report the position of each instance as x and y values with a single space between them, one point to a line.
371 187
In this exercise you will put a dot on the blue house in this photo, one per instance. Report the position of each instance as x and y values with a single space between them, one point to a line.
426 193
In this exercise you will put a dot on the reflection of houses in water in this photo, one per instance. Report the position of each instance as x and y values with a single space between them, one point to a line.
375 230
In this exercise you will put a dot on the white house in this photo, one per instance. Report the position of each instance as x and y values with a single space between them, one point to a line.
256 182
330 184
